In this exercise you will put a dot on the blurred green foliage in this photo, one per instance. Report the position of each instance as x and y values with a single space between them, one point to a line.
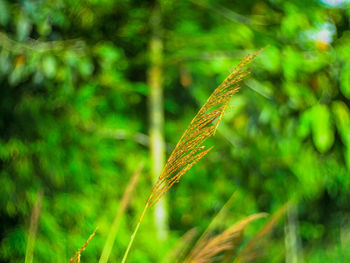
73 120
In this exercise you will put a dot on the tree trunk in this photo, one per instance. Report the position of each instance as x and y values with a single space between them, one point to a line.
292 237
156 116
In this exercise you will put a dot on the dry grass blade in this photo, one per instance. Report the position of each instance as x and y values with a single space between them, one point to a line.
189 150
178 251
249 252
209 249
33 228
76 257
219 217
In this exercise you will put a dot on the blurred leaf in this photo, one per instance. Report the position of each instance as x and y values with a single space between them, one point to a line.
49 66
5 64
345 80
24 27
342 120
291 63
270 59
4 14
304 127
86 67
322 129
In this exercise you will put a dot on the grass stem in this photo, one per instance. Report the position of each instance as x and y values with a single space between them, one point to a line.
134 233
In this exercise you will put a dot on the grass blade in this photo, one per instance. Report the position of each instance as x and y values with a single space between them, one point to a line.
176 254
218 217
117 219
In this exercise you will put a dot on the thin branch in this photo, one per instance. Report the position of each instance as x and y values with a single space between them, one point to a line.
40 46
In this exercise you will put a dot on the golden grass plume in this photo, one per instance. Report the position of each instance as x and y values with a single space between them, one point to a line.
178 252
209 249
251 250
189 150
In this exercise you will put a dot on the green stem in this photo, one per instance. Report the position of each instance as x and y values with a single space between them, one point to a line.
134 234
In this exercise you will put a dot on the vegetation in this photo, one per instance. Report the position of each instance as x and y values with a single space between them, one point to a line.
91 89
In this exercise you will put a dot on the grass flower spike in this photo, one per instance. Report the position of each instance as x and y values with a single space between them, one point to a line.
190 149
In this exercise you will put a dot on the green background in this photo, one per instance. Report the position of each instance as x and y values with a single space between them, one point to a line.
74 122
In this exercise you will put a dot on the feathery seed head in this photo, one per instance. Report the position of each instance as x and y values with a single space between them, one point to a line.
189 150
